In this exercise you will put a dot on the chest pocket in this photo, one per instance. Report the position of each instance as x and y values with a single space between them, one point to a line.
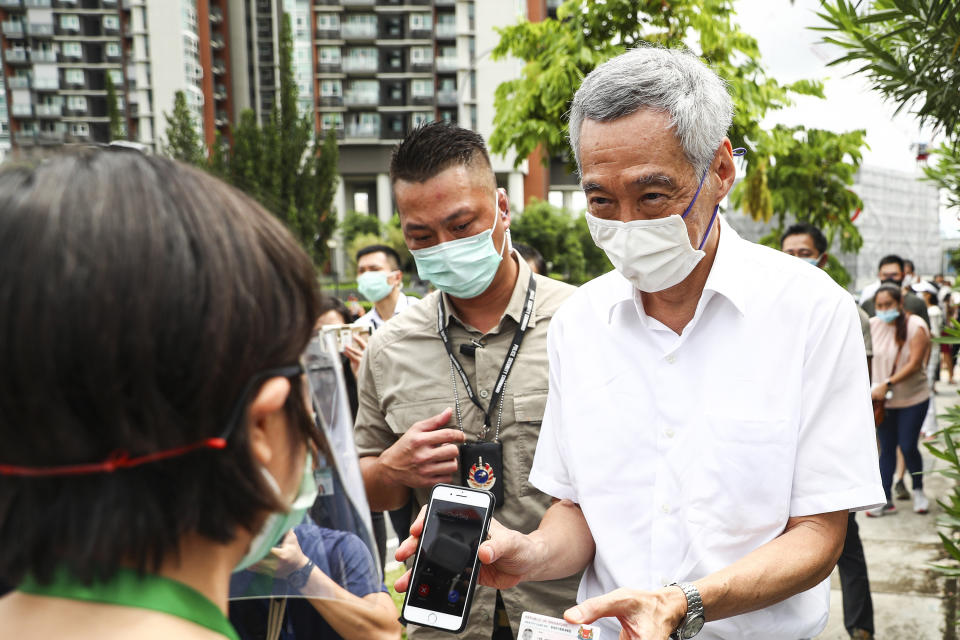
528 412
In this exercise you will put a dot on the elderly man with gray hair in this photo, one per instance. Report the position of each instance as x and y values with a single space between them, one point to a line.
708 425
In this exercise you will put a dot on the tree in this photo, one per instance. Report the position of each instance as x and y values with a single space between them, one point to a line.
562 240
118 130
183 140
559 53
910 51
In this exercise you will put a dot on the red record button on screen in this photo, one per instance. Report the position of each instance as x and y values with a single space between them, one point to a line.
423 590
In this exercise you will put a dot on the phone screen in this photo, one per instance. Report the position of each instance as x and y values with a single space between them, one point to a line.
448 551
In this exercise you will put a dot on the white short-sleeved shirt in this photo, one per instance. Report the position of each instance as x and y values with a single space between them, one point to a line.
372 318
688 452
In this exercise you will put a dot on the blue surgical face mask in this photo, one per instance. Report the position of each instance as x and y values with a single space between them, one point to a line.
373 285
465 267
814 261
889 315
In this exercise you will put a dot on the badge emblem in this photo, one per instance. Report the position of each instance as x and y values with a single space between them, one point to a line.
585 633
481 475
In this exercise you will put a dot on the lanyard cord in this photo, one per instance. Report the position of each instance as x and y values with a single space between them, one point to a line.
496 398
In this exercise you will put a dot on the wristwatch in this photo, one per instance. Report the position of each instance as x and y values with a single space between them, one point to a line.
692 623
298 579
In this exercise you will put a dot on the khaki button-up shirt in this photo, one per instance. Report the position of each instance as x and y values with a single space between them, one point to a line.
405 377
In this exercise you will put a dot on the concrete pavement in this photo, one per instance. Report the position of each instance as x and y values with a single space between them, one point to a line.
910 601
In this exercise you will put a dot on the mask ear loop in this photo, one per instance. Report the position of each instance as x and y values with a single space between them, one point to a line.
496 212
739 151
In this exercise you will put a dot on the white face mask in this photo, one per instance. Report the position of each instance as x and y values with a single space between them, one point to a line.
652 254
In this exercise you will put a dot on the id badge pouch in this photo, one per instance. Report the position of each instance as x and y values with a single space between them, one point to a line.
481 467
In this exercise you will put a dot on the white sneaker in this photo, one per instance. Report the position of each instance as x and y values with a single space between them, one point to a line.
920 502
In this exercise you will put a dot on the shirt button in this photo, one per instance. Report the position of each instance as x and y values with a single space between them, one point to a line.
669 433
665 508
671 358
483 393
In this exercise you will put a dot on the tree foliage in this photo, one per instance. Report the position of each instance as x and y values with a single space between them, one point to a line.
183 139
118 130
532 108
909 50
562 240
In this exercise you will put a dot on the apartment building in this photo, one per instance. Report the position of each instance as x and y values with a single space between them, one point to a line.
57 55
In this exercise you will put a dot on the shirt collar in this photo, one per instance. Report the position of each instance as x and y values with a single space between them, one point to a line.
726 276
517 298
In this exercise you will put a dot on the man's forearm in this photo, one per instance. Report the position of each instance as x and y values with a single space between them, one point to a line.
563 541
383 494
797 560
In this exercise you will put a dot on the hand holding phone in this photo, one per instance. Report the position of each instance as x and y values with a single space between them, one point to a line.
444 575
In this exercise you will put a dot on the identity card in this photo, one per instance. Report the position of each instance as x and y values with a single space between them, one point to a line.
536 627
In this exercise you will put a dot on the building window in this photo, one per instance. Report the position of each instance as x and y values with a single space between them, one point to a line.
73 76
421 21
420 118
421 55
328 21
329 55
330 88
72 49
79 129
111 22
77 103
117 76
112 49
331 121
68 21
421 88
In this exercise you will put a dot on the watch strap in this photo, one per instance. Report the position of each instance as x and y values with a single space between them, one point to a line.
694 609
299 578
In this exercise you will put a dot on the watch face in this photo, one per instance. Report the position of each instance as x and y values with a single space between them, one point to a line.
692 627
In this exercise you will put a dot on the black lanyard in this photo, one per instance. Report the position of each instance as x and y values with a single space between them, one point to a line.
495 397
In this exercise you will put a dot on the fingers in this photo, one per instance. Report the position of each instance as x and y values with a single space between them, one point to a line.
426 457
433 422
443 436
353 354
494 548
360 342
608 605
402 583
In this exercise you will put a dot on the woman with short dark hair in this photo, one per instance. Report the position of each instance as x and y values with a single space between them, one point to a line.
153 414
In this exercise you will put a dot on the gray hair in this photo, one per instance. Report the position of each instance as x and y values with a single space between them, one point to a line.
670 80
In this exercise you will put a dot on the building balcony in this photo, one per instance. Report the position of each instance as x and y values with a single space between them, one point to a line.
75 111
446 30
40 30
55 136
47 84
25 138
12 29
15 56
447 63
357 98
10 4
362 65
365 130
421 99
331 101
362 31
220 92
43 55
18 82
445 3
218 67
49 110
69 4
328 34
420 33
221 119
329 67
421 65
447 97
37 4
216 42
358 3
109 3
216 16
20 110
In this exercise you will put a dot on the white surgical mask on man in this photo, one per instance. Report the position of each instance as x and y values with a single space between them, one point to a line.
652 254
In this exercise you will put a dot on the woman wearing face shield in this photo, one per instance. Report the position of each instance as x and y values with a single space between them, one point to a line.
155 431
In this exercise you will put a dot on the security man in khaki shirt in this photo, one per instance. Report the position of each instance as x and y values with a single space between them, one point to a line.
420 402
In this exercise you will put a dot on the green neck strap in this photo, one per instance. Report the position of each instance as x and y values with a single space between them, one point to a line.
127 588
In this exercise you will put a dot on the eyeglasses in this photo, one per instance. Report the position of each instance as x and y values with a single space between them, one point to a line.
121 459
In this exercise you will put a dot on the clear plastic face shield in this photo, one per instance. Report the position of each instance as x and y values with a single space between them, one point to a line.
332 546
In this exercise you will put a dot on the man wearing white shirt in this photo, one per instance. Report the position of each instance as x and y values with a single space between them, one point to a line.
380 280
708 424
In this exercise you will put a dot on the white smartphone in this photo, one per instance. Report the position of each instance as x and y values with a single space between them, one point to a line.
445 569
